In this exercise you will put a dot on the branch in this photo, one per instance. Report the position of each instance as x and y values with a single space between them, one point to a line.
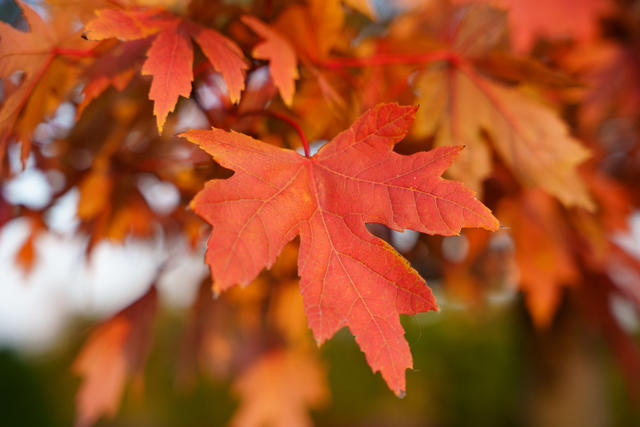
390 59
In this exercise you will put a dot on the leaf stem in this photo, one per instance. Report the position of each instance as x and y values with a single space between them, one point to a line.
294 125
288 120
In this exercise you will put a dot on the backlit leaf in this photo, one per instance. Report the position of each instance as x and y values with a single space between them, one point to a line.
348 276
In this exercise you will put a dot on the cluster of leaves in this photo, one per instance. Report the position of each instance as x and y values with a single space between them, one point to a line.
543 96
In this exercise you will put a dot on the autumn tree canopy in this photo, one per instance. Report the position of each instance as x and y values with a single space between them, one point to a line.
301 137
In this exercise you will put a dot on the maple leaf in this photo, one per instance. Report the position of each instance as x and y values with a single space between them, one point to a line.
170 56
313 29
85 9
288 309
282 58
612 76
555 19
348 276
328 19
530 139
278 388
542 253
45 77
462 106
115 351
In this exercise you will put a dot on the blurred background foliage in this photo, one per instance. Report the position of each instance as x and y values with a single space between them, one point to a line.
488 370
476 362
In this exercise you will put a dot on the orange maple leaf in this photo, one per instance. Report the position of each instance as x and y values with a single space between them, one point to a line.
543 255
278 388
45 78
283 63
530 139
170 57
348 276
463 106
114 352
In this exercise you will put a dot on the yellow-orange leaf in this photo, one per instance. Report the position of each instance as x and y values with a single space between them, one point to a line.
530 138
125 24
542 252
226 57
278 51
278 390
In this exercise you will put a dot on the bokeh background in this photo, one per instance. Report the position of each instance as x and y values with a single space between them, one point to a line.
480 361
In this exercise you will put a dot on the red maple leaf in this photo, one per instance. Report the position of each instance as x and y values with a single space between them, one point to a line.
348 276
